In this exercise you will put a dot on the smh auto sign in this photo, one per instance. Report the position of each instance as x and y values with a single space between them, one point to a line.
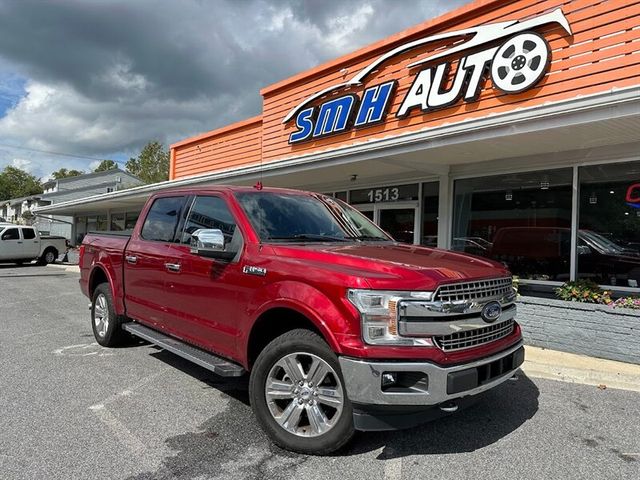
515 57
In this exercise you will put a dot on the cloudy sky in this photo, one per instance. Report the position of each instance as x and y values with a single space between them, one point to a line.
100 79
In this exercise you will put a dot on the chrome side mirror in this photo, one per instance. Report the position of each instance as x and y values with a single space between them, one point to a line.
210 243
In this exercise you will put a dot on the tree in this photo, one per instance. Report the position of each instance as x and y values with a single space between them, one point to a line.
152 164
64 173
16 183
106 165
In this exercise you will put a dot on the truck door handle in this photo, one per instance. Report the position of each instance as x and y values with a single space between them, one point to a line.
19 241
172 267
132 259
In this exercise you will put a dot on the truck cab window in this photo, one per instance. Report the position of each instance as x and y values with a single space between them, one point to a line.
162 219
209 212
28 233
11 234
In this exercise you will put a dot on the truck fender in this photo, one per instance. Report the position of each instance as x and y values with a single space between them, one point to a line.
306 300
108 271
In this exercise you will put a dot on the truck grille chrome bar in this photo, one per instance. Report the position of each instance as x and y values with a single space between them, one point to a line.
472 338
496 287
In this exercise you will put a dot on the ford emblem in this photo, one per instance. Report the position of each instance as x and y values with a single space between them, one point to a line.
491 312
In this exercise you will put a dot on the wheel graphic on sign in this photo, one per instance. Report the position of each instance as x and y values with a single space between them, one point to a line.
520 62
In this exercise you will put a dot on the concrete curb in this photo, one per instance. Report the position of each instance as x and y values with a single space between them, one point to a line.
572 368
68 268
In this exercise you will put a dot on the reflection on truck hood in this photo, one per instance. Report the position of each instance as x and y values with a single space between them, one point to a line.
394 266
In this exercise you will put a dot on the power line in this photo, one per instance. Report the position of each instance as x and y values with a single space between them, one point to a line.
84 157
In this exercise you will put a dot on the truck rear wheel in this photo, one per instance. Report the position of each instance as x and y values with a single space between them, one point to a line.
298 395
48 256
106 325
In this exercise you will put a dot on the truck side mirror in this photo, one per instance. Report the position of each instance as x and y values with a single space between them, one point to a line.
210 243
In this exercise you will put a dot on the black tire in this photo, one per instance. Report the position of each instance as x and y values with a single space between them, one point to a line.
301 342
112 334
48 256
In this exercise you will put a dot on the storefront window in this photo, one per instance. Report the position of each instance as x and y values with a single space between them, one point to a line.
117 222
101 223
131 220
81 229
609 226
430 203
341 196
522 220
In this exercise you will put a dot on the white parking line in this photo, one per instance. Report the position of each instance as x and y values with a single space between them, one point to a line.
393 468
122 433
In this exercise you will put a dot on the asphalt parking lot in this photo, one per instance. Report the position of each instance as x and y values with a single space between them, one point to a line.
71 409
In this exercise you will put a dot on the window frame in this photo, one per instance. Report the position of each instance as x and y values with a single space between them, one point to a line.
178 224
191 203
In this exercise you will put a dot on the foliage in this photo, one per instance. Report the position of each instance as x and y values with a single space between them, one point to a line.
152 164
16 183
585 291
627 302
106 165
64 173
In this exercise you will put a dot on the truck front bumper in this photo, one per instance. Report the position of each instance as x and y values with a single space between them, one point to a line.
425 384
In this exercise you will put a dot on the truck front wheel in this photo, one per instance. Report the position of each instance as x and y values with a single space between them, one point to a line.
107 326
297 393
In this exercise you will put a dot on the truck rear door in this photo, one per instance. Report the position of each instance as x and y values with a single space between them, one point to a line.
145 262
31 242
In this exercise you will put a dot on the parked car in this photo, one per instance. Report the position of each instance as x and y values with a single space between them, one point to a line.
21 244
340 327
532 251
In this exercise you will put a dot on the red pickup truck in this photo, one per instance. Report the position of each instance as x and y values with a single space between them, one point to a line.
340 327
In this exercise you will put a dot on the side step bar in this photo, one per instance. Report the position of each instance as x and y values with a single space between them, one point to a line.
217 365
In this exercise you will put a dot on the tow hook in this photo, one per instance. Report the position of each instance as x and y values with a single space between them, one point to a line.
448 407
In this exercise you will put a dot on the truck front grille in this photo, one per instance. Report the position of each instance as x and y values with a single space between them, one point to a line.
473 338
494 288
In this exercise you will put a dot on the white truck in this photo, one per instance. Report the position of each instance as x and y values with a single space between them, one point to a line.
19 244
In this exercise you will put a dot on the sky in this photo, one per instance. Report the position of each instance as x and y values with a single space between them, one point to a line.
98 79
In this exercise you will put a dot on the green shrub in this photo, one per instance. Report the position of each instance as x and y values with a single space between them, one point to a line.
585 291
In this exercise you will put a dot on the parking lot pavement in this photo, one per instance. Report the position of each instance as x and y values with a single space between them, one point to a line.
71 409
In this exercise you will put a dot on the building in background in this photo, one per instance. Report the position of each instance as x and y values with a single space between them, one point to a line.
504 129
20 210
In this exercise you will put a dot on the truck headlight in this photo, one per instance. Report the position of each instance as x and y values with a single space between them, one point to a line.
378 311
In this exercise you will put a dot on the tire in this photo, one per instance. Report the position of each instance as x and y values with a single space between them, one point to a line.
301 402
106 325
48 256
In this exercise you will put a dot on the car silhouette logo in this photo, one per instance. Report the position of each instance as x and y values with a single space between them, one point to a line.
491 312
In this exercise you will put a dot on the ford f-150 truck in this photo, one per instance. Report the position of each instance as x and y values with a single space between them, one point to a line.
340 327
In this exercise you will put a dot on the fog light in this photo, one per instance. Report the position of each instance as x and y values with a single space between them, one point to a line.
388 379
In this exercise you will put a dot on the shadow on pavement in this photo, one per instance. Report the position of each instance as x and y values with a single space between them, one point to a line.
232 443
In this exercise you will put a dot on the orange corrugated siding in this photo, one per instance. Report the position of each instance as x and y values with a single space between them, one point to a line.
234 145
603 53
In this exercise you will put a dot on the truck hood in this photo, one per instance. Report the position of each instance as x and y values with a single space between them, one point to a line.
394 266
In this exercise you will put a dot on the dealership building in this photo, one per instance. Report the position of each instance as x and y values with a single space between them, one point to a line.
506 129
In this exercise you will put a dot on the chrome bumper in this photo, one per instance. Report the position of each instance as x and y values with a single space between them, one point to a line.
363 379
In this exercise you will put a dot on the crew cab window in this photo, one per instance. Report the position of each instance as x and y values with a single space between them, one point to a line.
11 234
28 233
209 212
162 219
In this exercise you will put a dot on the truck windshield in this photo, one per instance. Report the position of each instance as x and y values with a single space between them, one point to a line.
306 218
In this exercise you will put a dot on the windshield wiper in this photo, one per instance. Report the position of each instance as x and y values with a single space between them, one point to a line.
372 238
312 237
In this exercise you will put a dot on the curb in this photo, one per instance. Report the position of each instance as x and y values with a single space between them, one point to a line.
68 268
572 368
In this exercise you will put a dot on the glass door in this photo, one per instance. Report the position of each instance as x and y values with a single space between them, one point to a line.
400 220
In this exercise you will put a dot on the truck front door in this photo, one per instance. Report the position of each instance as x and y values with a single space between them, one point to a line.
11 245
208 295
